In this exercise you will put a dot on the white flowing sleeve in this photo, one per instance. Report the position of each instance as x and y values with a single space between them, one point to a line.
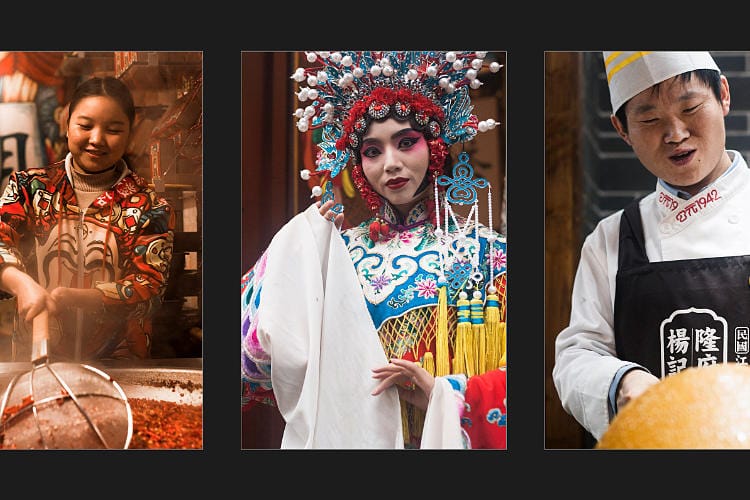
318 333
585 354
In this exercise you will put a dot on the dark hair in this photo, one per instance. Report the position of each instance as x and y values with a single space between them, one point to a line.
108 86
710 77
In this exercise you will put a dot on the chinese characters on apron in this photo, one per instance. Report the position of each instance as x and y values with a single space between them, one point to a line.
677 314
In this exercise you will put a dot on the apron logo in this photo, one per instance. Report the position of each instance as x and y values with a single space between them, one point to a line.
741 340
693 337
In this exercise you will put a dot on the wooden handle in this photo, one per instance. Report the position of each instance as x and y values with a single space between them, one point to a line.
39 336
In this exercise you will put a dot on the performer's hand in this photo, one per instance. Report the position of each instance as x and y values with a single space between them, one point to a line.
328 214
413 382
633 384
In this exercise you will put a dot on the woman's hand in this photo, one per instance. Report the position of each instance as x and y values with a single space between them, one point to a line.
32 298
328 214
413 382
87 298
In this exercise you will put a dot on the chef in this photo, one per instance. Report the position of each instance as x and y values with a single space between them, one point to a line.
661 285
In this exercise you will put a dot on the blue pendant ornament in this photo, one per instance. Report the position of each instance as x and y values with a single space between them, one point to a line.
328 195
462 189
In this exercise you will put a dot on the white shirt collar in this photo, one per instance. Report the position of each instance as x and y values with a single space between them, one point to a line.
684 195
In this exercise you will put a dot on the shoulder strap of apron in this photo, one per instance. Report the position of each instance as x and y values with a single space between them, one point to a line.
632 250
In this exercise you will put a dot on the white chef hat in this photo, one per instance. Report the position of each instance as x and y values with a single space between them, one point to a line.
630 73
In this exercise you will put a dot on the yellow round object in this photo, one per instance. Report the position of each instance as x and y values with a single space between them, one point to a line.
698 408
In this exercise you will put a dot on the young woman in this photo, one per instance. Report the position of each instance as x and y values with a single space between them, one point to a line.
85 239
333 321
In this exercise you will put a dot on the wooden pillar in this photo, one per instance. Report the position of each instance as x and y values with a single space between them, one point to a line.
268 174
563 122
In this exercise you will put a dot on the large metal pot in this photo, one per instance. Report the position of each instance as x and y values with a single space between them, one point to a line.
163 380
177 380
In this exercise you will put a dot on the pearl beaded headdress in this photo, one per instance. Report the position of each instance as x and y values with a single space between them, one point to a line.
346 90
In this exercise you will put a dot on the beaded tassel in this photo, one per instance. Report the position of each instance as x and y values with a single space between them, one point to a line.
463 334
428 363
442 352
442 359
412 420
492 328
503 347
479 346
405 427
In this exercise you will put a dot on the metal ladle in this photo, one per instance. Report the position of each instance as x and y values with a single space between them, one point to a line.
63 405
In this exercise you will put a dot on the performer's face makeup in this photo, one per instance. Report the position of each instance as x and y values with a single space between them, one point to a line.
395 158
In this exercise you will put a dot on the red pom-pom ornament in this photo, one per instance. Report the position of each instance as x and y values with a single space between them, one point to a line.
375 229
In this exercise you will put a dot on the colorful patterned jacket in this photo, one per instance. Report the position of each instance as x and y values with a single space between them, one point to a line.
121 245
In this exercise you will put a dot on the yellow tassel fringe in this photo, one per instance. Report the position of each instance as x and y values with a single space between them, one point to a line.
442 360
463 336
503 347
428 363
494 329
478 336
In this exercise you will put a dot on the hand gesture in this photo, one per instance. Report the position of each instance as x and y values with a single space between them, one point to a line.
413 382
328 214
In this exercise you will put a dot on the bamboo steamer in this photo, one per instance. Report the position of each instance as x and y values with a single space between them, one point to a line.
698 408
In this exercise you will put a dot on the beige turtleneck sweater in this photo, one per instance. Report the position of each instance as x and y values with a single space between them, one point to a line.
89 186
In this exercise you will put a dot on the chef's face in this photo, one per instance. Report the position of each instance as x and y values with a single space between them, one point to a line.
677 131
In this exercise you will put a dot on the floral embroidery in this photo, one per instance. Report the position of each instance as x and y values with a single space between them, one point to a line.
496 417
402 274
404 297
405 237
498 258
426 288
380 282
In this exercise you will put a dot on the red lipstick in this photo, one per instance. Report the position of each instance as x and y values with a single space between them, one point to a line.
397 183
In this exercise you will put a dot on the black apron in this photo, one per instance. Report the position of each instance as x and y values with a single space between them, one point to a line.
676 314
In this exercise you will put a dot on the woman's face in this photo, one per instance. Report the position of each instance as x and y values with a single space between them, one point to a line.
98 133
395 158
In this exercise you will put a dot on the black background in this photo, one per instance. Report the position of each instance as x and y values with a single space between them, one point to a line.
222 469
